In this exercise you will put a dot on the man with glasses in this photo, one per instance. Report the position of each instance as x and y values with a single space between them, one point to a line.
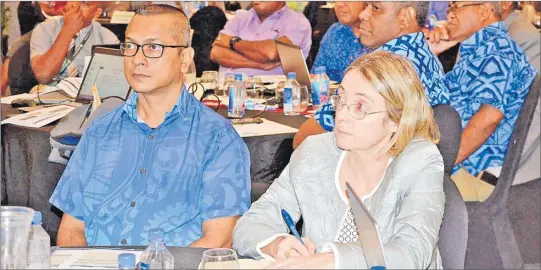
161 160
59 45
488 86
394 27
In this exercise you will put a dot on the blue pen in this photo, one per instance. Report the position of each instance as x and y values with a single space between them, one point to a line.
291 225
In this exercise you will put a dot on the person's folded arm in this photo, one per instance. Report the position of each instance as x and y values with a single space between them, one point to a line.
480 127
417 224
231 59
217 233
261 51
225 193
263 223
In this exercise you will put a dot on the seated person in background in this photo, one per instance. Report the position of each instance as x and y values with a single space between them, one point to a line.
206 23
23 40
247 42
341 45
488 85
162 160
396 168
527 37
394 27
57 40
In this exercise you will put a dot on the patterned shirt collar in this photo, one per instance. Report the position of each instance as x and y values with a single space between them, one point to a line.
130 106
416 39
469 45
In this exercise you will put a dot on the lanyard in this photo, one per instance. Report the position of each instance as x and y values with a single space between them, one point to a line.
77 51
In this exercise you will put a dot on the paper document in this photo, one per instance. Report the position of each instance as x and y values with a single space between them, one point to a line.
122 17
39 118
89 258
266 128
243 264
271 78
9 99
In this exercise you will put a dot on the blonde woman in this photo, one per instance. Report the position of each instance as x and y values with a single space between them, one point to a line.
384 146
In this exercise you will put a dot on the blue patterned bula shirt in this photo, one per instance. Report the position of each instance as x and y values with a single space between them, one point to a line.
492 70
125 178
338 49
428 67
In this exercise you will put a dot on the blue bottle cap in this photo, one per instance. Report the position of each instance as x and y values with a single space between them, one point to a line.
377 268
37 219
291 75
126 260
238 77
319 70
156 234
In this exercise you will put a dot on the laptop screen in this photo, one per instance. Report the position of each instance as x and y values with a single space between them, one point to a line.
106 70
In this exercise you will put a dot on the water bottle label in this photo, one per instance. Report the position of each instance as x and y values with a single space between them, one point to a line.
144 266
315 93
288 99
231 105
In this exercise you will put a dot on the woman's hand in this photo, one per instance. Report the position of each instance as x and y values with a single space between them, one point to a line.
285 247
317 261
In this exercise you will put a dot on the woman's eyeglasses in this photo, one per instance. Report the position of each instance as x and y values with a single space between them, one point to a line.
150 50
357 111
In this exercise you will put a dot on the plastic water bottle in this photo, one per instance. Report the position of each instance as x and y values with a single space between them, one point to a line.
126 261
292 95
320 87
237 98
39 245
156 255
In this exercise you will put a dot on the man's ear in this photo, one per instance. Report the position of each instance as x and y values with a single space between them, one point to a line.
187 59
407 17
485 12
99 11
506 5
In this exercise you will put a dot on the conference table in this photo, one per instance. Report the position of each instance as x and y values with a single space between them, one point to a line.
29 179
185 258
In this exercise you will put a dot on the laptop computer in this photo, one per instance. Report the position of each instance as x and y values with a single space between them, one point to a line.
106 70
367 229
293 60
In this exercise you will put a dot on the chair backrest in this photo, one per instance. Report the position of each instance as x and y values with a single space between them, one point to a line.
454 228
20 76
499 196
450 128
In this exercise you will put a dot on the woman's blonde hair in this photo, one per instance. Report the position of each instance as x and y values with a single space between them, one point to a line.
394 77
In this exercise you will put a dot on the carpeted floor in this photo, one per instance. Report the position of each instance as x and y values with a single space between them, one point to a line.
524 211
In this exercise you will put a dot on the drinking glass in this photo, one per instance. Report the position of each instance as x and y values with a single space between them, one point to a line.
15 224
220 258
209 80
305 97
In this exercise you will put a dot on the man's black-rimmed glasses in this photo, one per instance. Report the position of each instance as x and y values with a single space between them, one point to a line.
150 50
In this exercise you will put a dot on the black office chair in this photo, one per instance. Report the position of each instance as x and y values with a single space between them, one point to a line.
450 128
492 243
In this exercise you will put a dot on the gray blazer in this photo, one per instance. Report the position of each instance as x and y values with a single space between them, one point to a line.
529 39
407 205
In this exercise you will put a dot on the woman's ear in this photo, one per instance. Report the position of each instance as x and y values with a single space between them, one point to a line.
391 126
